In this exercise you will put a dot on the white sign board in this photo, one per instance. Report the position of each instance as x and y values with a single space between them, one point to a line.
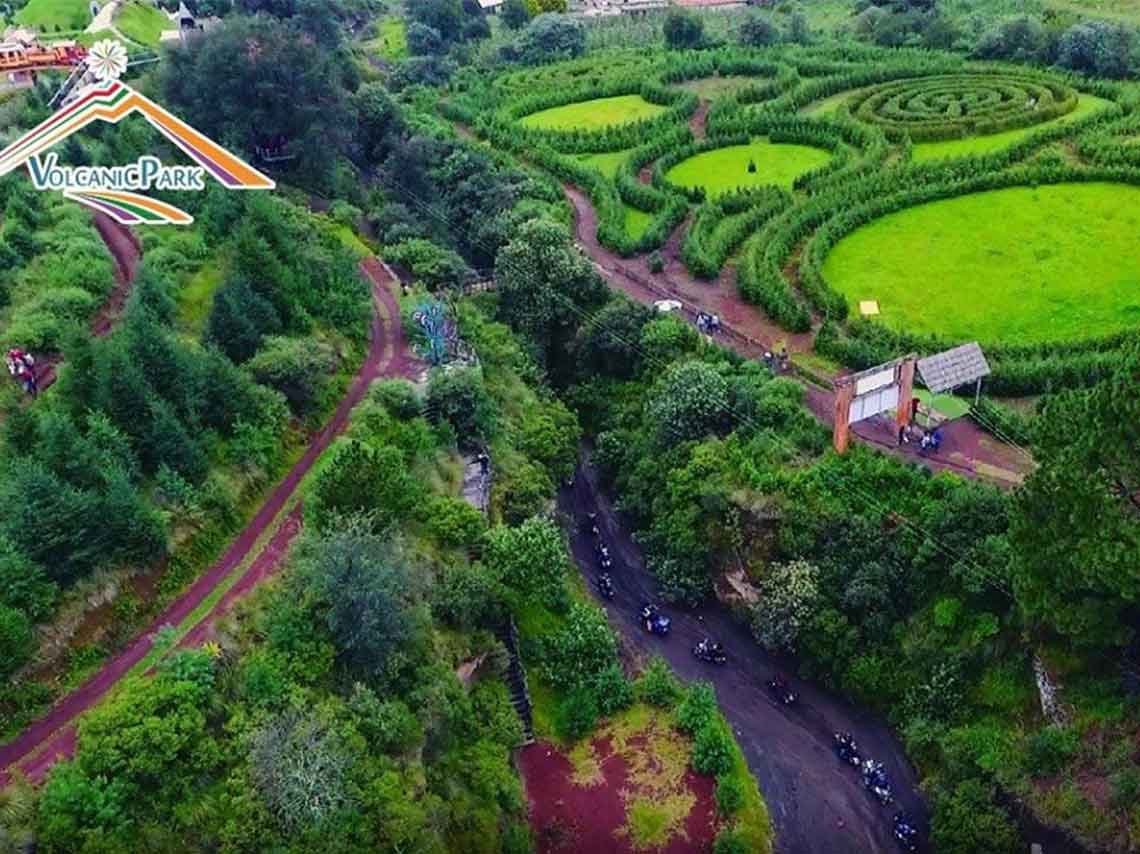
880 400
874 381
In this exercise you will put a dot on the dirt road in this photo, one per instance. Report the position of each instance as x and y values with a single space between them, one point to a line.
818 805
967 449
52 737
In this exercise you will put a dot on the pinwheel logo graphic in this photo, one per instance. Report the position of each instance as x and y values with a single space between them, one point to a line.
115 190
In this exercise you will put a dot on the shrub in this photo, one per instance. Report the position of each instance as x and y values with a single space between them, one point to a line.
730 841
697 708
713 749
1049 750
657 685
729 794
459 397
577 714
656 262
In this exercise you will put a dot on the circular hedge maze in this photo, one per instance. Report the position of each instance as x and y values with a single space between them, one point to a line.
946 106
973 202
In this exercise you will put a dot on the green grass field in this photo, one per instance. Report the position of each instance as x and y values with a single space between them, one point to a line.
594 114
607 162
636 221
717 87
143 23
1086 106
723 169
51 15
1022 265
391 40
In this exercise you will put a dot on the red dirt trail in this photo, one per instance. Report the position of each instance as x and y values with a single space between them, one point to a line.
570 818
126 252
966 449
53 736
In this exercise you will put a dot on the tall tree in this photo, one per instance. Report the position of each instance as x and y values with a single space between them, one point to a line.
1076 525
546 287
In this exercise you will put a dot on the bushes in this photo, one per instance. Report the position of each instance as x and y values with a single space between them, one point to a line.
657 685
1049 750
713 748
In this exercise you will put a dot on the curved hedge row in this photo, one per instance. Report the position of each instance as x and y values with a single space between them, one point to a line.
949 106
1113 143
680 106
720 227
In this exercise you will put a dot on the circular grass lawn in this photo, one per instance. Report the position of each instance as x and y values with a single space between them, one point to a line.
721 170
594 114
1018 266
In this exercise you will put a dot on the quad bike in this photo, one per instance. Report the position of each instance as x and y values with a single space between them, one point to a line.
710 651
606 585
906 834
846 748
604 559
876 782
654 621
779 688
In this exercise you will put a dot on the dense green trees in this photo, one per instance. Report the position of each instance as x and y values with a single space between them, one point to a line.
683 29
257 81
1077 530
544 285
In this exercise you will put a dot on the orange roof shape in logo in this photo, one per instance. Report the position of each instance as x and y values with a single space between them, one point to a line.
112 101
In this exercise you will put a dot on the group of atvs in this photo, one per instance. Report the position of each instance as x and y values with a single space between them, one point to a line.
875 781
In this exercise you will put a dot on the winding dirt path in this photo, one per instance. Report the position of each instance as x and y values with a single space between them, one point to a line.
966 449
126 252
53 736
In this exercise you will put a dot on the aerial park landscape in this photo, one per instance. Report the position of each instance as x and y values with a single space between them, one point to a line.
655 427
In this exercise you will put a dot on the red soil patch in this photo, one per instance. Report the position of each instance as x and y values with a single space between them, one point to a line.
567 817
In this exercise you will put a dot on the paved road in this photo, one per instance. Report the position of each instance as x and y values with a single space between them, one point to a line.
818 805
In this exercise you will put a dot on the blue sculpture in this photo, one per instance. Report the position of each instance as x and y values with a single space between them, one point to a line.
438 331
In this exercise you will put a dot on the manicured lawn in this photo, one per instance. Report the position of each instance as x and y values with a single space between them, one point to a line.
50 15
1021 265
636 221
607 162
1086 106
723 169
142 23
718 87
594 114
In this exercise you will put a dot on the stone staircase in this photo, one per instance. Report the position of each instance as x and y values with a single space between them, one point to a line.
516 681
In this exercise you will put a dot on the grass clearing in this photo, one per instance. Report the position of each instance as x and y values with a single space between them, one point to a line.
196 298
636 221
607 162
1019 266
52 15
1086 106
390 41
721 170
717 87
594 114
143 23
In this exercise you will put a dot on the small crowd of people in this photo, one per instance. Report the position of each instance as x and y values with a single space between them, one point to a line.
708 324
22 366
778 361
928 441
